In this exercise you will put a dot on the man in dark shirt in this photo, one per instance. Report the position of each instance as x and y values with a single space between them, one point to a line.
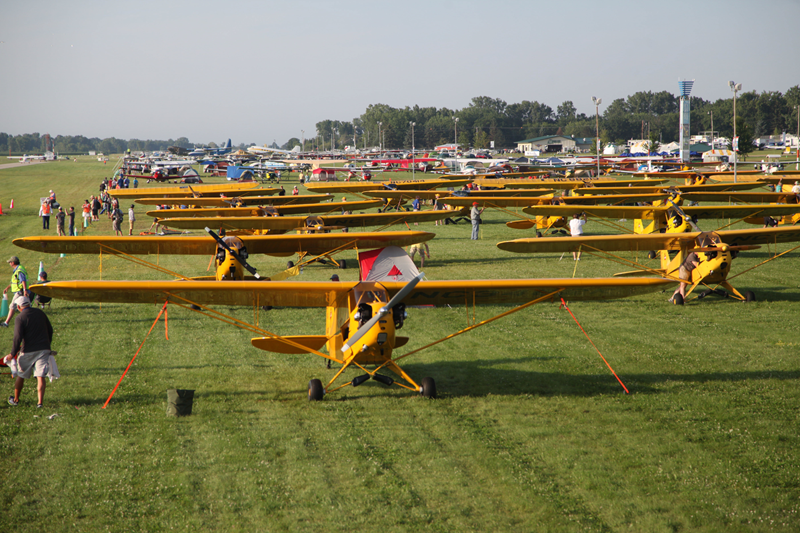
60 217
33 333
71 216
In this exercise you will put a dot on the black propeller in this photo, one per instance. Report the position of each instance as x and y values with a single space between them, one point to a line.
385 310
234 253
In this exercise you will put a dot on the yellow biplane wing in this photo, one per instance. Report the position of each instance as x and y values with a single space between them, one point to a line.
290 223
334 294
362 186
211 201
430 195
649 212
644 187
741 197
647 242
254 211
188 191
279 245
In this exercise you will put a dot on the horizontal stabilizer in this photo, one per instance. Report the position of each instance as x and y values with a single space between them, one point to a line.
521 224
312 342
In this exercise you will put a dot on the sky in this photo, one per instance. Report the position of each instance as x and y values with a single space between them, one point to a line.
264 71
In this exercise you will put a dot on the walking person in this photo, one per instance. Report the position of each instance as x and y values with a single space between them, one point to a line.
33 334
116 221
18 286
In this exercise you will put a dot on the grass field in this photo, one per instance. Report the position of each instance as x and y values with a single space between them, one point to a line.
531 432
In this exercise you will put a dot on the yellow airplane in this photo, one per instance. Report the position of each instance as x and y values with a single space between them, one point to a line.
641 188
361 186
316 223
278 210
364 336
238 201
230 252
432 194
715 251
661 216
189 191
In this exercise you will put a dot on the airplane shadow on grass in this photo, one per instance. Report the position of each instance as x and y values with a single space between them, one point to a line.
470 379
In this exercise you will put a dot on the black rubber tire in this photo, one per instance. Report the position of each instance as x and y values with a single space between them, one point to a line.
651 254
343 264
678 300
428 388
315 391
749 296
289 264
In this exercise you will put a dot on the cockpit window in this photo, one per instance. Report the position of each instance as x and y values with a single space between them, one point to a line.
369 296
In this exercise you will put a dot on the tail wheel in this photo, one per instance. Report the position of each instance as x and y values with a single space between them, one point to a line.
678 300
651 254
749 296
428 388
315 391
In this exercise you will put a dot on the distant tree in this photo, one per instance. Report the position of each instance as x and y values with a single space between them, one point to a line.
565 113
481 140
653 145
745 134
291 143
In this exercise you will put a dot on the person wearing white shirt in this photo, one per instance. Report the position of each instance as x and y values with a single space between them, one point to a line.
576 230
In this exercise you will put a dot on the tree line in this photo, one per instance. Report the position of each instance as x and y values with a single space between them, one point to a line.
642 115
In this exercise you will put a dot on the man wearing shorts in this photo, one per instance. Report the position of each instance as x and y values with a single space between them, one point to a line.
33 333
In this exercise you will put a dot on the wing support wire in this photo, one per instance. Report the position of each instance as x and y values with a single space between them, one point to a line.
617 259
164 312
391 364
240 324
565 306
474 326
328 255
136 260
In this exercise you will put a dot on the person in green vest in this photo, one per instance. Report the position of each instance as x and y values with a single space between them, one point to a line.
18 286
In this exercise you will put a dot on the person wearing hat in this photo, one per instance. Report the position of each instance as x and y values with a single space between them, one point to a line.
131 220
335 277
18 286
33 333
475 217
796 187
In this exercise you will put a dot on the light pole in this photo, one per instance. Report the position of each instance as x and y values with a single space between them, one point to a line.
597 102
413 164
712 128
735 87
380 140
455 139
797 141
333 138
303 139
